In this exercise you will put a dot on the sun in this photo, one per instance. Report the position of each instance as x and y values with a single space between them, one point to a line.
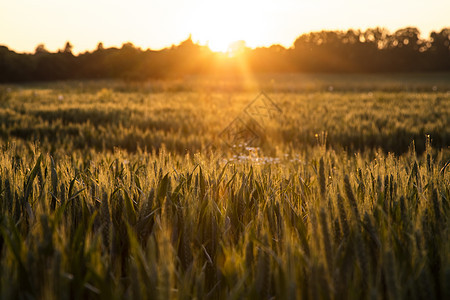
218 45
219 24
218 32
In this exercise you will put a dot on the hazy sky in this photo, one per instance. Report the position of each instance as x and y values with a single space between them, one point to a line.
157 24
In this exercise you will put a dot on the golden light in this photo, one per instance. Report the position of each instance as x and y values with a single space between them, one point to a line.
220 24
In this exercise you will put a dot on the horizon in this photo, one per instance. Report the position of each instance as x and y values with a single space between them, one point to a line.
199 43
216 24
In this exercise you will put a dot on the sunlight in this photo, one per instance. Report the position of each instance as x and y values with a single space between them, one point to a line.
218 45
220 26
230 49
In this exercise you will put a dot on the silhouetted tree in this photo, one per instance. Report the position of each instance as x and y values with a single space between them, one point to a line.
40 49
100 47
439 50
374 50
68 48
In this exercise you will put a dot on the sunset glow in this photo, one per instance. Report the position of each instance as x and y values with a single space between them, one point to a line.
218 26
159 24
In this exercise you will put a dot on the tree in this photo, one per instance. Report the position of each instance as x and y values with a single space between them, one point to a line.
40 49
100 47
68 48
407 37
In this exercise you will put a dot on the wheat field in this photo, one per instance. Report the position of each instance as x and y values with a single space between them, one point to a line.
113 191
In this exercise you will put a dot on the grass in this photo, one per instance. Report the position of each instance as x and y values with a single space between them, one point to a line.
161 226
301 217
369 114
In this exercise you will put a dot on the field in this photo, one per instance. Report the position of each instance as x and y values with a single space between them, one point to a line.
182 190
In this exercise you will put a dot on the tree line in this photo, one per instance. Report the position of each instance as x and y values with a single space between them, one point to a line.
373 50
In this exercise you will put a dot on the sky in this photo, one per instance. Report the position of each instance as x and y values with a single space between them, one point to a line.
157 24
